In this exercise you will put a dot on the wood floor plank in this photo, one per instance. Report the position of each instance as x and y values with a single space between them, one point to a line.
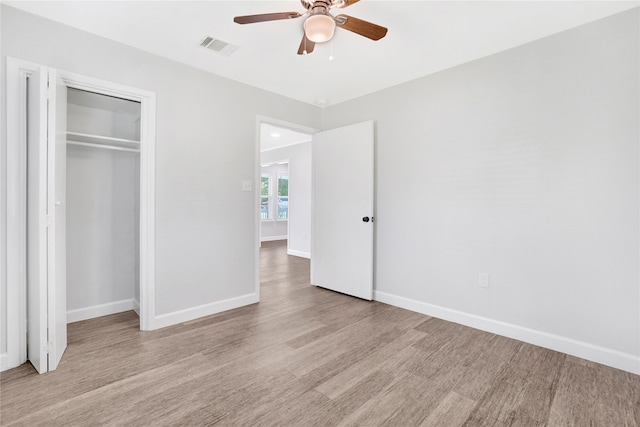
430 395
380 407
497 405
307 356
355 372
84 332
94 407
291 402
438 333
312 336
538 371
596 394
335 411
478 378
403 319
333 366
573 403
612 391
332 346
452 411
408 399
634 401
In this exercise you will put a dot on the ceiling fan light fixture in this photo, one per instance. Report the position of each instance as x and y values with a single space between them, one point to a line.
319 28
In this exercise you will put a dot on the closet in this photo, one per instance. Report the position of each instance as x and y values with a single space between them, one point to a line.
103 205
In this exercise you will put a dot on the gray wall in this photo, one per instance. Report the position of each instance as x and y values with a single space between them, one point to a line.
205 136
299 156
102 226
523 165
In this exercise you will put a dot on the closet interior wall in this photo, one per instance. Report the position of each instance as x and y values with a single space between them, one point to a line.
103 204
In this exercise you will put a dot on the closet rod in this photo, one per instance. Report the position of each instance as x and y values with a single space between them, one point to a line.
107 147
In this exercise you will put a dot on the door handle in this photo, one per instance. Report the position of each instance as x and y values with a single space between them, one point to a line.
365 219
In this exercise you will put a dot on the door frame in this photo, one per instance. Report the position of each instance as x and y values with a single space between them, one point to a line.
256 182
16 168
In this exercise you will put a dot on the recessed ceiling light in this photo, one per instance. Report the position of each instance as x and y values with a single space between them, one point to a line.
275 135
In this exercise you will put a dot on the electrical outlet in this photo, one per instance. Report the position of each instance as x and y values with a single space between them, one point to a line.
246 185
483 280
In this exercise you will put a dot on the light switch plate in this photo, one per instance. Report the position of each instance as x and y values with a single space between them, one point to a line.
483 280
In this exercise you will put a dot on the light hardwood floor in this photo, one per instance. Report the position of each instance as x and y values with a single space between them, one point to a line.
305 356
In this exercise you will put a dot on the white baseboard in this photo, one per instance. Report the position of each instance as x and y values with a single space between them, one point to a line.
299 253
7 363
180 316
136 306
99 310
605 356
272 238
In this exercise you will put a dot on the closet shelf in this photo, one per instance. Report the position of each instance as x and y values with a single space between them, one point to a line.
106 141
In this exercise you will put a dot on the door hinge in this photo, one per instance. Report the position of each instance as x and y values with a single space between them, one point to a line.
49 220
49 347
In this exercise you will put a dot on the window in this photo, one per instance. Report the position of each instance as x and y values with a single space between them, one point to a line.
283 196
265 196
274 195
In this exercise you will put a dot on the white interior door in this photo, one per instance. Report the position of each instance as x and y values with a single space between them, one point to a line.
37 273
46 183
57 190
343 188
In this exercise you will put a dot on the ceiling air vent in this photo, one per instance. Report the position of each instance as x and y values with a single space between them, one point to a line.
217 45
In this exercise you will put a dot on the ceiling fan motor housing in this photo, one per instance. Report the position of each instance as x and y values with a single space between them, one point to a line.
311 4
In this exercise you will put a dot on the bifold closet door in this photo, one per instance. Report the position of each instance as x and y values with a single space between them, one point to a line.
46 219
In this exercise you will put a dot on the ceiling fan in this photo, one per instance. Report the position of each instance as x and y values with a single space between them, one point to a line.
319 24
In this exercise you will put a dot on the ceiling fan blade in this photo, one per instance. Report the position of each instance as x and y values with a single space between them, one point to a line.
250 19
364 28
347 3
306 44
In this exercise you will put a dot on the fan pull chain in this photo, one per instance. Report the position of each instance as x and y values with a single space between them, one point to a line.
331 58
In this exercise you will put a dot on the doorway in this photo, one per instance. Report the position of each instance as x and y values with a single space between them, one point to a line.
18 74
102 205
285 185
339 230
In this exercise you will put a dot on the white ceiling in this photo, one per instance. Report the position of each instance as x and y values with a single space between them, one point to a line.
272 136
424 37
